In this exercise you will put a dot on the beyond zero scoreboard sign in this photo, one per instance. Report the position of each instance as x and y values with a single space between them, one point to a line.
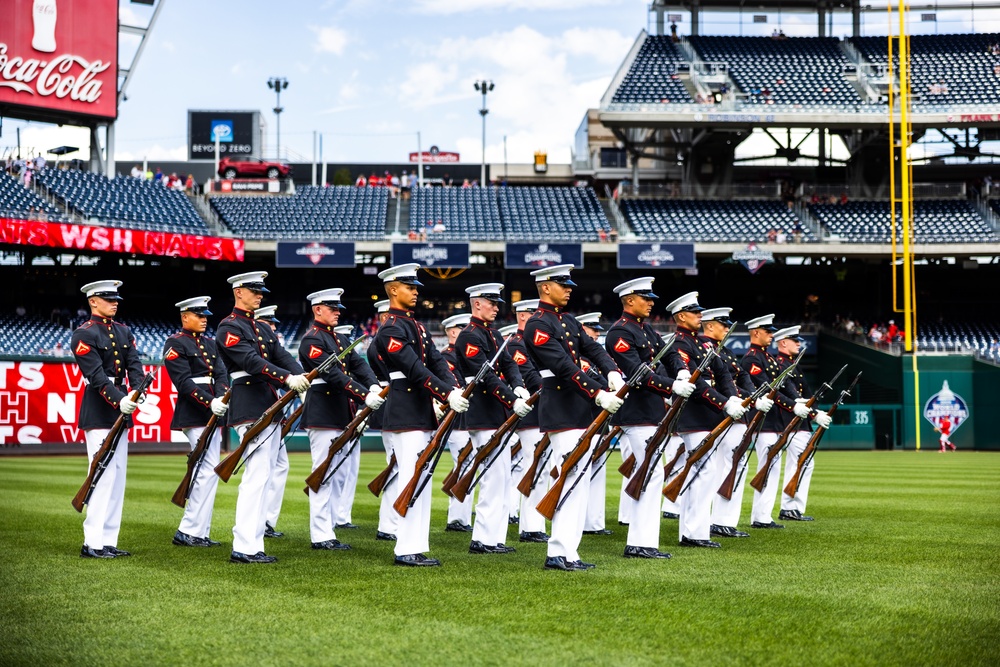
60 56
239 134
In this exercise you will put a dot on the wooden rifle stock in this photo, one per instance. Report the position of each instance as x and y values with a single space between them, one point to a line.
107 448
377 485
197 454
673 462
316 477
775 451
628 466
726 488
527 482
515 450
452 477
286 428
605 444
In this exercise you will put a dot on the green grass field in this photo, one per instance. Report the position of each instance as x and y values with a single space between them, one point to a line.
901 567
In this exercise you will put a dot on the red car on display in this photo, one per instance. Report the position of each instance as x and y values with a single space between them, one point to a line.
252 167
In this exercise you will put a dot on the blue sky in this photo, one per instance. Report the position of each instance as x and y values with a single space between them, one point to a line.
370 74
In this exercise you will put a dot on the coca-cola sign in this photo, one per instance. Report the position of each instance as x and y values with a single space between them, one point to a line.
61 56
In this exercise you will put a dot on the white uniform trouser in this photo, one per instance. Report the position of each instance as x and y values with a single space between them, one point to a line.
251 501
492 509
516 473
797 444
347 481
624 501
763 501
727 512
696 502
104 509
276 488
567 524
673 444
323 504
459 511
388 519
412 531
197 519
644 523
596 500
530 520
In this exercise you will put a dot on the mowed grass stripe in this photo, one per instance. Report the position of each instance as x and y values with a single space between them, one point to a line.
899 568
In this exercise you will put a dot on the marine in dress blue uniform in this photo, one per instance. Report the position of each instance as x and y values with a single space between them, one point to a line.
593 524
388 519
279 474
193 365
106 353
459 513
555 343
258 367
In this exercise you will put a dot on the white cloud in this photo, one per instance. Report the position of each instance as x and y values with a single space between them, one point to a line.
604 45
425 83
154 152
330 39
457 7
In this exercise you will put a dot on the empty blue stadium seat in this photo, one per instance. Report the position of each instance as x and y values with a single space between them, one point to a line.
653 77
463 213
934 221
711 221
551 214
17 201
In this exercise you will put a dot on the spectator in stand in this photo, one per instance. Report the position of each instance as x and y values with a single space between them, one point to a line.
58 350
404 185
42 215
373 180
466 184
446 181
439 227
136 172
189 184
875 334
892 333
781 237
673 33
361 181
149 174
772 236
158 177
29 173
39 163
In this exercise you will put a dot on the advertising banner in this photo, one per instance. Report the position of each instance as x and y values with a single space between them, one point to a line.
40 402
434 155
61 56
322 254
432 255
656 256
130 241
538 255
238 132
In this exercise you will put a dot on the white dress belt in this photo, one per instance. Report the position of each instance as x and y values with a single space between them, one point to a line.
397 375
383 384
236 375
319 381
469 378
546 373
202 380
110 377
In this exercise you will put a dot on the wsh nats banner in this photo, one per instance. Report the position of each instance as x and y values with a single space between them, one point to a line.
539 255
40 401
656 256
315 253
432 255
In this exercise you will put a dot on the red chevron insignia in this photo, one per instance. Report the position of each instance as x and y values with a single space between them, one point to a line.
519 358
314 352
622 346
394 346
684 355
231 339
81 348
170 355
755 369
541 338
471 350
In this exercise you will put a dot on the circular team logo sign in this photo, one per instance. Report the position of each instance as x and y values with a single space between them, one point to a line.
946 408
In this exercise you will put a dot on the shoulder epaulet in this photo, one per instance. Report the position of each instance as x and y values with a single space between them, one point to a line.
86 325
175 335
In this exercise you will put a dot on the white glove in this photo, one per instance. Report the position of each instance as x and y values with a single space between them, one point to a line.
608 401
734 407
218 407
522 392
127 405
373 400
438 410
522 408
823 419
458 402
615 381
801 410
764 404
682 388
684 374
297 383
362 427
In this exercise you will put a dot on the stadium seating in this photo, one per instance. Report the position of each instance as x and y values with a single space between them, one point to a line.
31 335
551 214
950 336
335 212
959 67
798 71
124 202
457 213
17 200
652 77
935 221
710 221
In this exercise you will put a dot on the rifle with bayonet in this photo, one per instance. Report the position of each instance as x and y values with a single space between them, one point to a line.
107 449
775 450
197 455
537 467
428 459
810 451
293 418
603 450
459 469
377 485
228 465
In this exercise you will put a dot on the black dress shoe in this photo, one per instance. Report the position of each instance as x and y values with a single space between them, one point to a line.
185 540
513 520
457 526
388 537
602 531
534 537
417 560
645 552
331 545
269 531
622 523
671 515
259 557
703 544
580 565
87 552
346 526
477 547
558 563
793 515
770 524
209 542
116 552
504 549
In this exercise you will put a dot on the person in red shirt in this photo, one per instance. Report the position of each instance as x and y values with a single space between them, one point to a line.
945 430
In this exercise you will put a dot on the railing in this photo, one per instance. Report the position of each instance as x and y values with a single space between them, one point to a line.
757 111
920 191
673 190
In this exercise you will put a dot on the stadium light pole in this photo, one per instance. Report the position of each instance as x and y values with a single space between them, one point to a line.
483 87
278 84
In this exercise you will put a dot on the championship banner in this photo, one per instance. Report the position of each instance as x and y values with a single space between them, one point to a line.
322 254
539 255
432 255
40 402
130 241
656 256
